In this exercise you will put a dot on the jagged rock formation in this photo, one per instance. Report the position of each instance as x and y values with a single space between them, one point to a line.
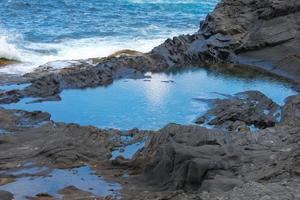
241 111
178 162
263 33
214 164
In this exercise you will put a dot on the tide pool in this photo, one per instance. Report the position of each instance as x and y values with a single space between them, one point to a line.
152 103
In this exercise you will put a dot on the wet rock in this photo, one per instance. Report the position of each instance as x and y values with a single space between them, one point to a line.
62 145
13 96
50 98
4 61
56 142
72 192
261 30
6 180
13 120
47 81
177 162
242 110
297 88
4 195
291 110
212 164
42 196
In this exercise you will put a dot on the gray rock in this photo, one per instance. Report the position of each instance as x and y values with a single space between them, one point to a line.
4 195
251 108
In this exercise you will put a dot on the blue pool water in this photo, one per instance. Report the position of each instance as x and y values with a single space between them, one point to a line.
151 103
83 178
36 31
128 151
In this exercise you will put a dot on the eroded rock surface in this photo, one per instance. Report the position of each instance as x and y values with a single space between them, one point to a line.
241 111
262 33
199 163
177 162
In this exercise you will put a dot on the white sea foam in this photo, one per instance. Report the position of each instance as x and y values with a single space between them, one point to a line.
7 49
206 2
33 55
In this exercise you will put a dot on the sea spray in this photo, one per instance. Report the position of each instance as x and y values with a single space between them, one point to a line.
7 49
38 32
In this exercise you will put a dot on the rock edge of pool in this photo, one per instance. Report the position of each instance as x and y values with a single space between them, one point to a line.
246 145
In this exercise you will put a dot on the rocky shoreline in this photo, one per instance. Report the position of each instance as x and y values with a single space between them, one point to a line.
231 161
177 162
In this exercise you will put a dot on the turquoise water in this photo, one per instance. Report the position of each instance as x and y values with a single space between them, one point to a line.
152 103
38 31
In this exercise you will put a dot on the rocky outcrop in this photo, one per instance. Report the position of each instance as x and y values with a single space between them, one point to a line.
5 61
264 34
178 162
241 111
6 195
32 135
215 164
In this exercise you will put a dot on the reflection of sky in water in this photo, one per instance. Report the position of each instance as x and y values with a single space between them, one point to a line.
2 131
32 170
150 104
82 178
129 150
14 86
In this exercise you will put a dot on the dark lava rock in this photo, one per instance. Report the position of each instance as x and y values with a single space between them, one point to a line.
42 196
291 110
178 162
241 110
211 164
71 192
297 88
33 135
4 195
12 96
243 32
13 120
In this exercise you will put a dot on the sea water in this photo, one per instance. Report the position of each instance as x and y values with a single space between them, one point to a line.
35 32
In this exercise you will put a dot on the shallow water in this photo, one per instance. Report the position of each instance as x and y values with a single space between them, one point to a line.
13 87
2 131
128 151
36 31
82 178
152 103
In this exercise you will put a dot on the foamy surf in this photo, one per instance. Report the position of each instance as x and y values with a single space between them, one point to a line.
8 50
32 55
76 30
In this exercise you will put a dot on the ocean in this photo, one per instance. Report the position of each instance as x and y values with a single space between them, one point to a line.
35 32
